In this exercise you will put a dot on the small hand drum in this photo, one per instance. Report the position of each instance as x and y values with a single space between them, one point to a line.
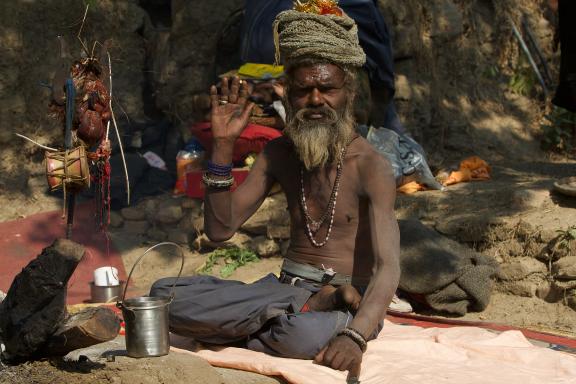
68 170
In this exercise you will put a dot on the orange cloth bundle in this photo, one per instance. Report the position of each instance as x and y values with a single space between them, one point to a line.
471 168
410 188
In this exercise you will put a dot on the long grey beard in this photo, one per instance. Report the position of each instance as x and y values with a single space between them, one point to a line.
319 143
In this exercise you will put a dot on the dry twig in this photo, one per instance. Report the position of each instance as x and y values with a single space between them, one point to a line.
117 131
36 143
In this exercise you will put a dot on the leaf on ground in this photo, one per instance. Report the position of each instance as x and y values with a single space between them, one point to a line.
233 259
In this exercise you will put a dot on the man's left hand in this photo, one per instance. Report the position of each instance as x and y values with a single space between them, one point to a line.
343 354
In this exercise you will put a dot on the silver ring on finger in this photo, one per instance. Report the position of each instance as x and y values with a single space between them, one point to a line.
222 102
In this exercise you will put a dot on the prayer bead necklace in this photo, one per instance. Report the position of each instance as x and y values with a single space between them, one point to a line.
312 226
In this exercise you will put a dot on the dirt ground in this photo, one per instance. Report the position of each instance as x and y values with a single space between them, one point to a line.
96 367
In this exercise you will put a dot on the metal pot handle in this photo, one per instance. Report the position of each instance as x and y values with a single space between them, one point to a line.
120 304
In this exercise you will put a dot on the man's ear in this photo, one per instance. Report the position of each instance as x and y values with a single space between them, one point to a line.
279 88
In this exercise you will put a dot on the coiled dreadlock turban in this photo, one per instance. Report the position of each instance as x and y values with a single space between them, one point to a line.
330 37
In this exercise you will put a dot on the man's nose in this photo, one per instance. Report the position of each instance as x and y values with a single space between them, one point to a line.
315 98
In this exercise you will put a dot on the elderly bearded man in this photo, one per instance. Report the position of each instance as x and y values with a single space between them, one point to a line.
342 267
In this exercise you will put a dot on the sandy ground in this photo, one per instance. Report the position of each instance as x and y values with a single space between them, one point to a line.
98 367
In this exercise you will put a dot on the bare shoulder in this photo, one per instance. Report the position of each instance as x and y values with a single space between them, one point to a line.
368 159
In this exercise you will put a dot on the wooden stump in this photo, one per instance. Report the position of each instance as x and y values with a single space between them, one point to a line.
85 328
33 318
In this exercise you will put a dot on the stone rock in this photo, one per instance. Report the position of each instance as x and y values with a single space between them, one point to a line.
136 226
565 268
519 288
278 231
116 219
189 222
199 224
157 234
188 71
6 137
513 248
520 268
524 230
446 20
178 236
194 204
133 213
403 89
565 285
284 247
547 235
571 300
404 46
549 292
273 211
149 207
239 240
264 247
169 212
472 228
523 199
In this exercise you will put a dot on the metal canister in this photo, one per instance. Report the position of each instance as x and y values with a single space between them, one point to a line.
146 318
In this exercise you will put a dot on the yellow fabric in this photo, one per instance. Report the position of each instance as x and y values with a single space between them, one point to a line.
261 71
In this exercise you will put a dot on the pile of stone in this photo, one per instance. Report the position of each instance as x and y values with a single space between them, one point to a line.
180 220
537 263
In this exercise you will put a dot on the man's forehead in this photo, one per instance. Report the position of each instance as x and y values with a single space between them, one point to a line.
318 73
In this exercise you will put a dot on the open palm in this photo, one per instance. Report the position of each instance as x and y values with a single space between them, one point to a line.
230 109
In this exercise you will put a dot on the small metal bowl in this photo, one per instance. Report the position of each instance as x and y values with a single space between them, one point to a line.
106 294
566 186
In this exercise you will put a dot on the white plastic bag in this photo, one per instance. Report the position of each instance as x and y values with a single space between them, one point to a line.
405 155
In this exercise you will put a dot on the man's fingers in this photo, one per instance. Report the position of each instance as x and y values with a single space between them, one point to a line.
354 373
243 92
329 356
320 356
225 91
339 362
233 96
214 96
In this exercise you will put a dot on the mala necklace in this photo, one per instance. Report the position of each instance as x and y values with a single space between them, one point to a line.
312 226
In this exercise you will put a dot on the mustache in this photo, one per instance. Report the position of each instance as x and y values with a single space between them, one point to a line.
330 115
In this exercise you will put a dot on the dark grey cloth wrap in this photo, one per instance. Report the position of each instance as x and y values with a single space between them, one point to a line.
452 277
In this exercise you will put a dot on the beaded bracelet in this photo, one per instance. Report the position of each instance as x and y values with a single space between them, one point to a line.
219 170
355 336
216 183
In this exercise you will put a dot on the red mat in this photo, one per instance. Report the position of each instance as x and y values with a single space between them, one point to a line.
22 240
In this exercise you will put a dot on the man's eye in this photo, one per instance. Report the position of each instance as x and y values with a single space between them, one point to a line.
301 91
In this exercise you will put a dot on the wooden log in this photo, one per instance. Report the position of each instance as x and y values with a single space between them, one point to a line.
85 328
35 304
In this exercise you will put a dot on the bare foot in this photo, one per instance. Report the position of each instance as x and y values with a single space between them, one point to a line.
330 298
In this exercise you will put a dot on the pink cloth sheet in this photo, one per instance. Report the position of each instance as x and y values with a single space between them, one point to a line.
409 354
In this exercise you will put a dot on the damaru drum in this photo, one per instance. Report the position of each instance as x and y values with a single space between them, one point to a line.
67 169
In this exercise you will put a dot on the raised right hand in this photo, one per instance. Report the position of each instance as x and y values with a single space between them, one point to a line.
230 109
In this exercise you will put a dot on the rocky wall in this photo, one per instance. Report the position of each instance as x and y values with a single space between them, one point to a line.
180 220
454 59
